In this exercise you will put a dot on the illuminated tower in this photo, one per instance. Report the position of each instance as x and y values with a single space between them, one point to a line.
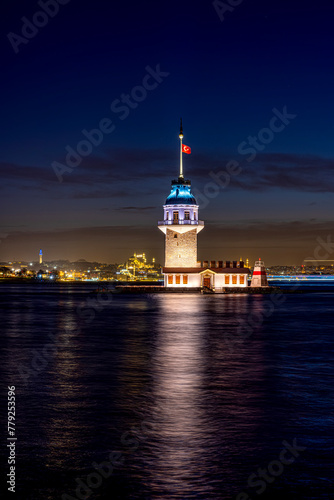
40 256
180 224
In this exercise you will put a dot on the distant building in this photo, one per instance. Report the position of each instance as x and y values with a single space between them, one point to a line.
40 256
181 225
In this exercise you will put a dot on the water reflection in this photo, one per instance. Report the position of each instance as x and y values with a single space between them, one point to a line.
180 456
65 390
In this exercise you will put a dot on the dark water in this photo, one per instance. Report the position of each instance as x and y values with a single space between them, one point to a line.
192 393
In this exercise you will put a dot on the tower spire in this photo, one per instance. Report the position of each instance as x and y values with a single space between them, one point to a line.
181 137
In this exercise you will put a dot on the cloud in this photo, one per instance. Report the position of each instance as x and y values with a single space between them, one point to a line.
276 242
135 209
290 172
125 173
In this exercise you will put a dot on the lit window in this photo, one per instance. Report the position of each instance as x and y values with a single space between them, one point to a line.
185 279
177 280
242 280
195 216
176 217
170 279
186 215
227 280
167 215
234 280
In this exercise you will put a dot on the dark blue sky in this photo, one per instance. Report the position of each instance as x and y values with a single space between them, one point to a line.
223 77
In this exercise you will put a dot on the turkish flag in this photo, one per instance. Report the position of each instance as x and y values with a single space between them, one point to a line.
186 149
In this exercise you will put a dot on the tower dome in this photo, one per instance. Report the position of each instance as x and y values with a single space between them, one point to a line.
181 193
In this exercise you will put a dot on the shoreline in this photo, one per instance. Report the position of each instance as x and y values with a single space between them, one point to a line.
134 288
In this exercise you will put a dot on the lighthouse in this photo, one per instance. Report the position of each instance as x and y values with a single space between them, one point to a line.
180 226
259 278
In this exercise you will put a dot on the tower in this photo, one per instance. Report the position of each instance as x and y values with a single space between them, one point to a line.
259 278
40 256
180 226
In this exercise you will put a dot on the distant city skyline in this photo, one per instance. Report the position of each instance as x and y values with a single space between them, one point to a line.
98 109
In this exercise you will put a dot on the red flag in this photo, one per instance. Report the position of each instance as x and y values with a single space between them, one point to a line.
186 149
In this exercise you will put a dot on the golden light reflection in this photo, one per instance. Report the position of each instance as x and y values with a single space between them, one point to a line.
66 429
179 416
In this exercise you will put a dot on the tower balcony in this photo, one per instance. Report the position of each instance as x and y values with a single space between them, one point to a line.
177 222
181 226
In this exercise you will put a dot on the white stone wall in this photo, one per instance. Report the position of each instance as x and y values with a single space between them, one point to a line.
194 281
182 250
219 281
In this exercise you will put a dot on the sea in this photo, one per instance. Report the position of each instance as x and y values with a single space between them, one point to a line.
171 396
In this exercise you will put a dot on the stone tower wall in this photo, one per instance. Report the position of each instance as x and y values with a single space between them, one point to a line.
182 250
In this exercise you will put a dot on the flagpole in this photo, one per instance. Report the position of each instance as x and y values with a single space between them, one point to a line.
181 137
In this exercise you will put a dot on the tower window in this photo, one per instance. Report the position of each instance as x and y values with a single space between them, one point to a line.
186 215
175 235
167 215
195 216
176 217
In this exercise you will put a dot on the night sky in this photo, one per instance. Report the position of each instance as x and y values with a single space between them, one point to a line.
230 75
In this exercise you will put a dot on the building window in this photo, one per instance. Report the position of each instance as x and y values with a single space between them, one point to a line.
185 279
170 279
177 280
195 216
242 280
176 217
186 215
234 280
167 215
227 280
175 235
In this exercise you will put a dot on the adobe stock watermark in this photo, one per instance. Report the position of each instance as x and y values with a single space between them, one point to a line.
250 147
223 7
122 108
30 28
131 439
327 246
264 476
41 357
